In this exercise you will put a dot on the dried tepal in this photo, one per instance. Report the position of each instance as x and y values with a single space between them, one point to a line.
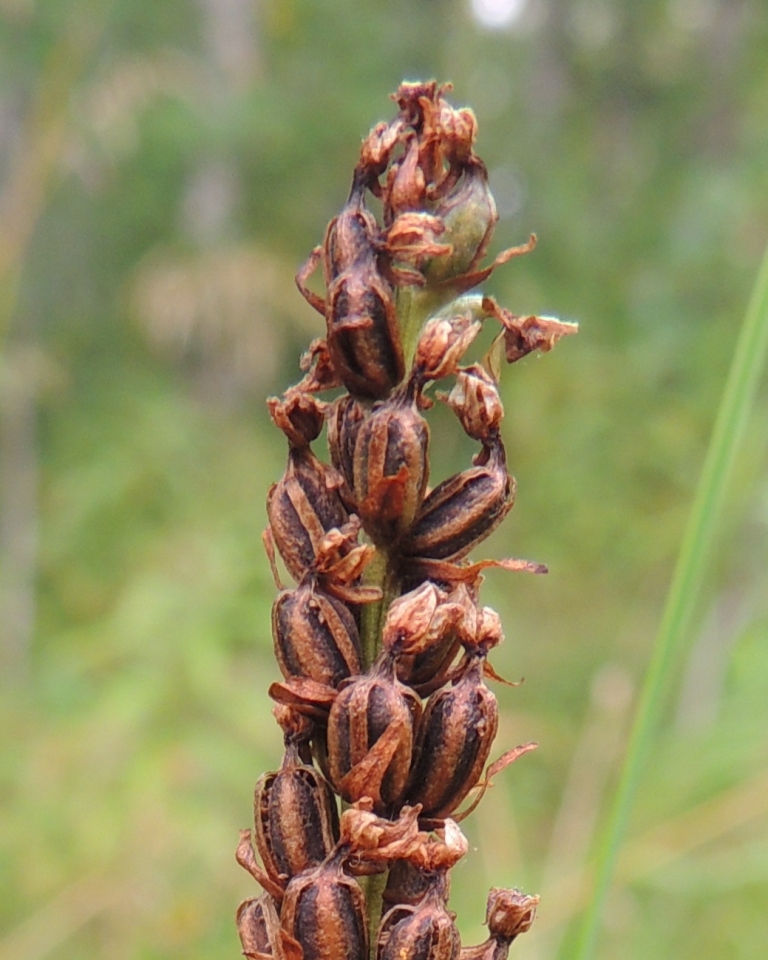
382 643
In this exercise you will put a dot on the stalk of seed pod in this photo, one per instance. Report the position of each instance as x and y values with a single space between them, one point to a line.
302 507
315 635
295 818
324 910
463 510
391 467
370 736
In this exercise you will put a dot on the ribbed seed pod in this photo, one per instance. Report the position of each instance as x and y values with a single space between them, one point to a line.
390 468
429 670
295 818
406 884
462 510
302 507
424 932
344 417
324 910
315 635
362 330
370 736
455 738
256 919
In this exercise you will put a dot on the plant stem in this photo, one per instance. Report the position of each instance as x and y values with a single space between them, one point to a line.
735 408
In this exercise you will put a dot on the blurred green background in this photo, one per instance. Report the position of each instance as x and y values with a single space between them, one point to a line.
164 169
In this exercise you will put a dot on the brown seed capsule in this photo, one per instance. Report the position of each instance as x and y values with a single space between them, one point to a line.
423 629
295 816
391 468
370 736
444 341
254 923
260 933
345 416
315 635
299 415
510 913
426 931
406 884
476 402
302 507
462 510
361 323
455 738
324 910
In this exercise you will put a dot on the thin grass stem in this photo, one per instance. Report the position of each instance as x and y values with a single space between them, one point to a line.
695 551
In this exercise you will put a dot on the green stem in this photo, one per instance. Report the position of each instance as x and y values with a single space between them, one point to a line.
373 888
695 551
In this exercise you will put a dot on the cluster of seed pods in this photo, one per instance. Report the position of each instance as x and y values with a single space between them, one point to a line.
387 717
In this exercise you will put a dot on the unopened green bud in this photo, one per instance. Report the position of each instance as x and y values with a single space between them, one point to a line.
469 214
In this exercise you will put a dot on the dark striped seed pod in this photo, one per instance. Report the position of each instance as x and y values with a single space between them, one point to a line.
315 635
370 737
302 507
406 884
426 931
462 510
344 417
324 910
295 818
455 738
390 468
361 323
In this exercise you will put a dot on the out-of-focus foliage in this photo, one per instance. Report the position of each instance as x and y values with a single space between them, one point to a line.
164 168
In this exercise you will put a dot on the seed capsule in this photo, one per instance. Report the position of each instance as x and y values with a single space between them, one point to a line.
315 635
345 417
299 415
295 817
423 932
370 736
476 402
390 468
462 510
445 339
361 323
324 910
509 913
254 923
302 507
260 933
455 738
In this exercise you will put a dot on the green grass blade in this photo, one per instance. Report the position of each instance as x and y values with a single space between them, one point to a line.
695 551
